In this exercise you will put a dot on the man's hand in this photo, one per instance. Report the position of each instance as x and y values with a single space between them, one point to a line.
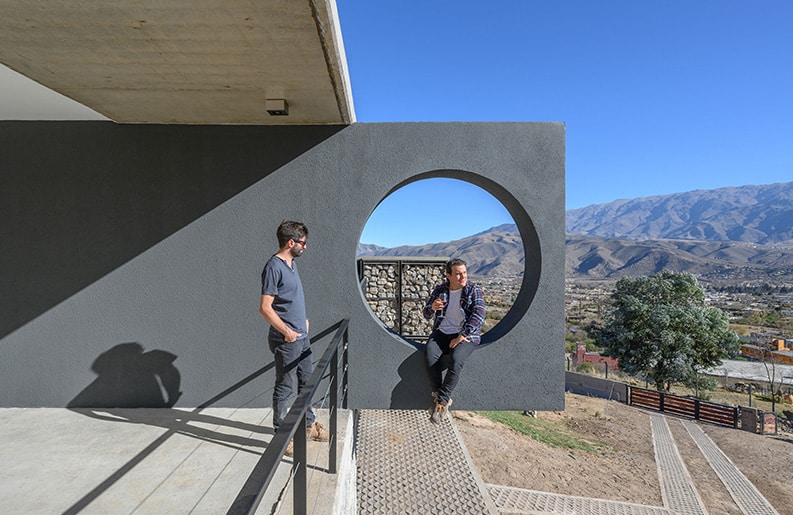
456 341
290 336
267 311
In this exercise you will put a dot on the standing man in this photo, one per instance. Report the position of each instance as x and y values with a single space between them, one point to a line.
459 310
283 306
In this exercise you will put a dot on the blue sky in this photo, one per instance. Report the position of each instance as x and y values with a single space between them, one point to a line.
657 97
412 216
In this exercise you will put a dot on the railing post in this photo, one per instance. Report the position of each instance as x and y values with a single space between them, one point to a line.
661 402
334 411
300 490
294 426
750 395
399 297
696 409
345 360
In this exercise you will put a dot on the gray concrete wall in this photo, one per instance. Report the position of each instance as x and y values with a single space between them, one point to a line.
584 384
177 310
79 199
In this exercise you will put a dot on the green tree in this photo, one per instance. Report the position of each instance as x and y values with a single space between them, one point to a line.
660 326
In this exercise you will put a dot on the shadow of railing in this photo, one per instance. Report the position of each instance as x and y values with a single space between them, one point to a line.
179 422
255 487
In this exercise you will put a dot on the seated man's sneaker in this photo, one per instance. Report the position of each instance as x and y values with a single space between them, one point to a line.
435 417
290 449
440 409
433 403
317 432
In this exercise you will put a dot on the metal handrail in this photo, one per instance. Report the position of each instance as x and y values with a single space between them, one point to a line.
252 492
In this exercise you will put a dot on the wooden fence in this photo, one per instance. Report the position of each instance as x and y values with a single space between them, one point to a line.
712 412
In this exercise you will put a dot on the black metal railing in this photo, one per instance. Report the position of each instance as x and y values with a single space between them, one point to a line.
294 424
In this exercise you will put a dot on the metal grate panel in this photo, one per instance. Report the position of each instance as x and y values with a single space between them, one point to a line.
406 464
743 492
677 488
519 500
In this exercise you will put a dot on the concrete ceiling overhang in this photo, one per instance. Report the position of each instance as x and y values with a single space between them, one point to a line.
184 61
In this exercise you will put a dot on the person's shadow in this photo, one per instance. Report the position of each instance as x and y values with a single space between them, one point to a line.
128 377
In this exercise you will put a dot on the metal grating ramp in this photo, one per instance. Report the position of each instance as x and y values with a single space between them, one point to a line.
677 488
519 500
743 492
406 464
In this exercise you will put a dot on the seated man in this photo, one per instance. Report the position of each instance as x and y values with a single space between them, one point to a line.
459 310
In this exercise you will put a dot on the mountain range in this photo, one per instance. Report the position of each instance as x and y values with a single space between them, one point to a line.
733 234
495 252
756 214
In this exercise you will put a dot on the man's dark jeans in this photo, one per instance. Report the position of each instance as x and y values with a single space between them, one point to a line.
293 368
438 346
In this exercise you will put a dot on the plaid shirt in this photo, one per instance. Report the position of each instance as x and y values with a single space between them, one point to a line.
472 303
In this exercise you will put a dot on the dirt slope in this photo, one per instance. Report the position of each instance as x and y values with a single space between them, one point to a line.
624 469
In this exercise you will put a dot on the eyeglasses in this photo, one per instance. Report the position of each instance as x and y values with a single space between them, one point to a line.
301 242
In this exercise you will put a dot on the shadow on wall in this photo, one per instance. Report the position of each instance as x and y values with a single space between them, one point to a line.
113 191
131 378
414 383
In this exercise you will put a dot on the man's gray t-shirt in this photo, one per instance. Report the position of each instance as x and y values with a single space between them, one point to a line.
284 283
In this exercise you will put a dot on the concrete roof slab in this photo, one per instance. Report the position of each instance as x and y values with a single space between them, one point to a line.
184 61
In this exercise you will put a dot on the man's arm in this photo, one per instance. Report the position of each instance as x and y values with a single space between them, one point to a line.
433 304
269 314
476 317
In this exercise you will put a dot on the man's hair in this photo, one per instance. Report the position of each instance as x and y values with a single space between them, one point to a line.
454 262
289 230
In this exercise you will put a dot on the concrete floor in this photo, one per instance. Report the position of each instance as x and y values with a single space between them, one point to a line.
147 461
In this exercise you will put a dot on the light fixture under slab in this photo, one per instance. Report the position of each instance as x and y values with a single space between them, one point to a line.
276 107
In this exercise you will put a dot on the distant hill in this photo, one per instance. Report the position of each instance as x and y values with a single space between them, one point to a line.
498 253
728 235
592 257
756 214
491 253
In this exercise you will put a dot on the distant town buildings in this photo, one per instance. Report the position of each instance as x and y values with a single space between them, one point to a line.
595 358
767 347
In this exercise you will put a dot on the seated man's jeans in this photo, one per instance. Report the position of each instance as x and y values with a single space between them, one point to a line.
438 346
293 368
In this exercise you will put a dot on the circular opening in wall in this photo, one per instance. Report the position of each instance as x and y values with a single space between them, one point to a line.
418 227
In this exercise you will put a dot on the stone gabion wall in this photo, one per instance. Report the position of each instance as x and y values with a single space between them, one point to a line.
385 292
380 286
